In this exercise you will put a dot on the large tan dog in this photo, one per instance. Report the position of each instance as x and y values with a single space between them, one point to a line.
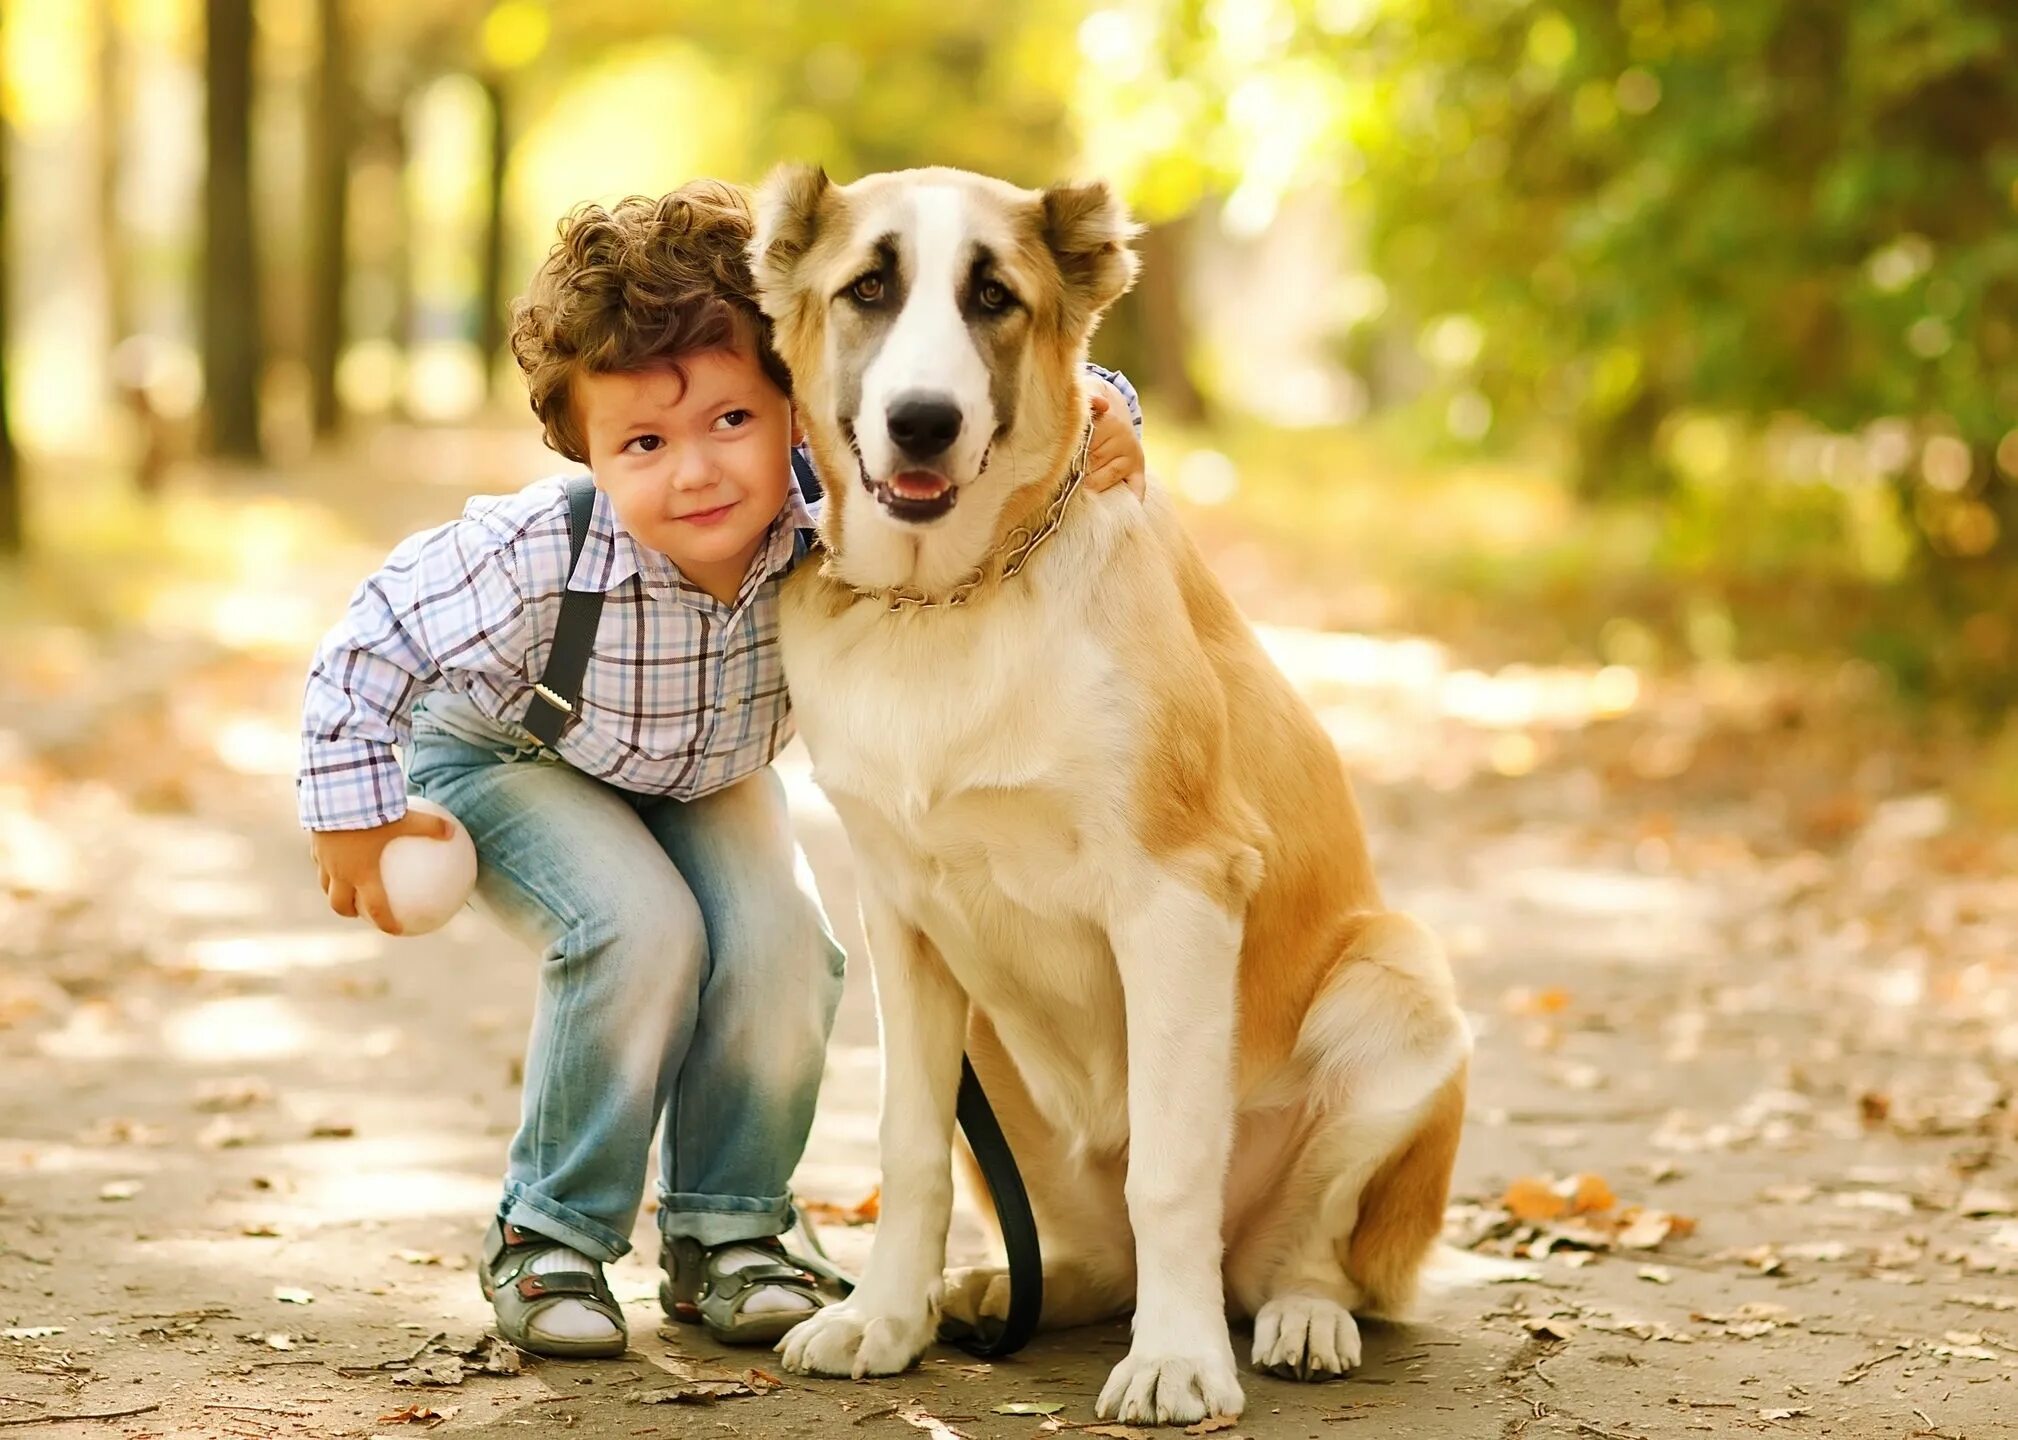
1101 843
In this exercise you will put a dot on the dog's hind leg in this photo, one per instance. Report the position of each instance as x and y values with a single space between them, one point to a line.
1079 1201
1385 1049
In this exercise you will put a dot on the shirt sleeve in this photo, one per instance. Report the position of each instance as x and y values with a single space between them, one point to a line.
1120 382
445 601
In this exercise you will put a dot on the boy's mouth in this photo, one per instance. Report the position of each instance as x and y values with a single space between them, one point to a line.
707 517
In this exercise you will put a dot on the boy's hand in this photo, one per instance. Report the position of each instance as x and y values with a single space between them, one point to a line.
1116 457
348 863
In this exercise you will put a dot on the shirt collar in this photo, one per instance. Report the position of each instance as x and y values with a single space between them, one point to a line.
610 556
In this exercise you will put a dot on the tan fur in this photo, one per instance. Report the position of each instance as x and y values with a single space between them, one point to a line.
1168 750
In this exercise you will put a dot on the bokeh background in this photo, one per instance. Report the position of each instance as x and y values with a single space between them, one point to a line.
1608 412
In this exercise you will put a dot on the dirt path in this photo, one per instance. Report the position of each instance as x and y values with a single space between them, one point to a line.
1740 962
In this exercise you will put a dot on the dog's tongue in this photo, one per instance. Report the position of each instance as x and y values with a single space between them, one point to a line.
919 484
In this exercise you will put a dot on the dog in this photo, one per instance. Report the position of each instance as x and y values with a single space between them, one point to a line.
1101 843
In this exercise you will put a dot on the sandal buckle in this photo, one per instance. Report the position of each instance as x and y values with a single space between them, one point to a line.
531 1287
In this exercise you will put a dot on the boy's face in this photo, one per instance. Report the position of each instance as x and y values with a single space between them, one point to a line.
696 469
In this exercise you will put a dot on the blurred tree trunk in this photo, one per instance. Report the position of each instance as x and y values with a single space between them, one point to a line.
1166 320
112 114
12 528
399 143
493 299
232 346
330 139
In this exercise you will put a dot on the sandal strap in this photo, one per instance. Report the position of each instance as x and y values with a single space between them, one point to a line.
732 1285
542 1285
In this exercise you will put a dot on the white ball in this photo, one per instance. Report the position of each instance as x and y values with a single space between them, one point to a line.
427 880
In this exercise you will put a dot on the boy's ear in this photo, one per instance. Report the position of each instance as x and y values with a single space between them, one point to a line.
789 206
1088 232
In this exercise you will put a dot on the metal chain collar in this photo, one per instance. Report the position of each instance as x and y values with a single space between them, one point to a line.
1023 543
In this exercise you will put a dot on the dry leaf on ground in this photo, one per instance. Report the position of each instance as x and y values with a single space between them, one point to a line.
866 1211
420 1414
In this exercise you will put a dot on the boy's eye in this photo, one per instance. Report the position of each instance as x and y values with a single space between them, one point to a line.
868 289
994 295
734 419
643 444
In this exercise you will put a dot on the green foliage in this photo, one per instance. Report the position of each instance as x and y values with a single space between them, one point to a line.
1754 207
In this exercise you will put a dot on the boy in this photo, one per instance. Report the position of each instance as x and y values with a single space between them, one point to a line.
689 975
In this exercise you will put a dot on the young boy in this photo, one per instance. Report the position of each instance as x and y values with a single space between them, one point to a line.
688 973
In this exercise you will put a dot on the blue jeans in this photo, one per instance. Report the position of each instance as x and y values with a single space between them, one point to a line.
688 975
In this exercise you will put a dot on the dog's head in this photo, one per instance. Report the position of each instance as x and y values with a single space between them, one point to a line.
934 322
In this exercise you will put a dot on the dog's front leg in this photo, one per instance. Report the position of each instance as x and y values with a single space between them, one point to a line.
1179 955
893 1315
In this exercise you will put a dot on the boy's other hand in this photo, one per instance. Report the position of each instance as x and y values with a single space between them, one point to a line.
1116 457
347 863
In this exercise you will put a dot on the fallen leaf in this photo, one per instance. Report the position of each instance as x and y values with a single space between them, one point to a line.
1986 1203
417 1257
1211 1423
236 1092
332 1130
119 1189
931 1424
1552 1329
1885 1200
420 1414
692 1392
763 1381
1117 1432
1534 1200
292 1295
1656 1275
1785 1414
31 1332
261 1229
225 1133
866 1211
278 1340
1818 1250
1030 1407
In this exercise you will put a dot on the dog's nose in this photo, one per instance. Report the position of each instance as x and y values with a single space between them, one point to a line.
923 424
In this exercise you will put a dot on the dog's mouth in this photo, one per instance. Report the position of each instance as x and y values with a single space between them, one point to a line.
914 495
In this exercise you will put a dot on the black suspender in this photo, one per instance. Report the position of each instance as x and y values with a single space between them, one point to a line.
560 686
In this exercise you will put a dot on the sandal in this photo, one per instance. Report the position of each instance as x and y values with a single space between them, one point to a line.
695 1290
519 1295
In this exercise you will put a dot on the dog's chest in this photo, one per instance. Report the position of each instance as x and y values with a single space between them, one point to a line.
978 770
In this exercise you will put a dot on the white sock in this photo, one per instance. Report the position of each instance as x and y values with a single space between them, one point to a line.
569 1319
766 1297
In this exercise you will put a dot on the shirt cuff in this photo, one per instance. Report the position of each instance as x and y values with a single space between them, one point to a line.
350 785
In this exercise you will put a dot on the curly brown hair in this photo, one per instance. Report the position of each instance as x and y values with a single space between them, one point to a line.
638 286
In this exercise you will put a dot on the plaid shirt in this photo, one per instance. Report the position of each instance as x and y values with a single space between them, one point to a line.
683 695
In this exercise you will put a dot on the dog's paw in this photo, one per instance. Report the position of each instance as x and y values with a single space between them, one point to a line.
1149 1389
854 1343
975 1295
1305 1337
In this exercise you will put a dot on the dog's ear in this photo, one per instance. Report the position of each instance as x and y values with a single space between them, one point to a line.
788 209
1088 232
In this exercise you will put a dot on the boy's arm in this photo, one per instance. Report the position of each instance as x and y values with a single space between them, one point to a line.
445 599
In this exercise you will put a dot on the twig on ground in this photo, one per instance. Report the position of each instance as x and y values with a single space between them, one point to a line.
257 1409
80 1415
1864 1367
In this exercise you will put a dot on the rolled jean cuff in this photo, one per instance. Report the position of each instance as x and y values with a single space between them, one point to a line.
557 1222
723 1219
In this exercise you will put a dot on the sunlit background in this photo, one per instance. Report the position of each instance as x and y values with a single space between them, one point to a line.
1606 409
1651 333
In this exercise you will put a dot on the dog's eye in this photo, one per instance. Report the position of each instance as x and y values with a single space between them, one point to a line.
994 295
868 289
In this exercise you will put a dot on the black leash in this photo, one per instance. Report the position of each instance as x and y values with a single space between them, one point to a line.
554 700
